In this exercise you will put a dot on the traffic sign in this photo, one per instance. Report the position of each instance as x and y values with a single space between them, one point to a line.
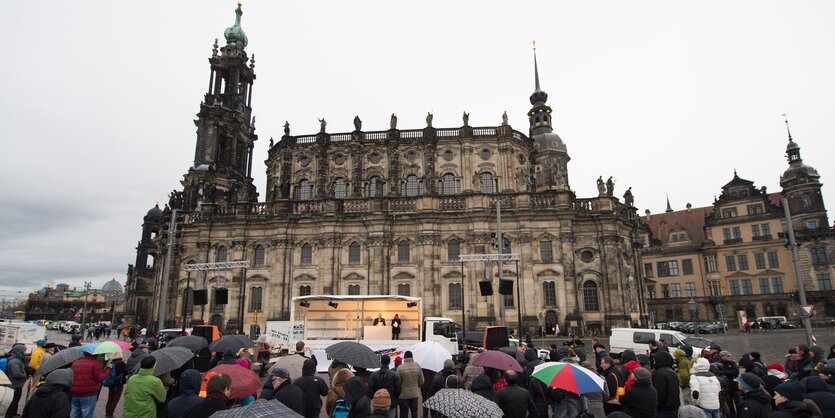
808 310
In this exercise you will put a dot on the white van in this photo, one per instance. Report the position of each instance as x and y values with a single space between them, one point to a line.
636 339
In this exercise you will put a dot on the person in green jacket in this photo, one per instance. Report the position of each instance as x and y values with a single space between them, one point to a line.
144 391
683 372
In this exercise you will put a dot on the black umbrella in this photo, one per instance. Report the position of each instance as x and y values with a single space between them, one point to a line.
258 410
231 343
168 359
355 354
192 342
59 360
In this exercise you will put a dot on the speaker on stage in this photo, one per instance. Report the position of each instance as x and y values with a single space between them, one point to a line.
486 288
506 287
221 296
201 297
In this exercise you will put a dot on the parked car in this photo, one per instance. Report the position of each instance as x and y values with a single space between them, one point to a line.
636 339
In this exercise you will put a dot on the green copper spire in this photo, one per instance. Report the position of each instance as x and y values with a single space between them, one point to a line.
234 34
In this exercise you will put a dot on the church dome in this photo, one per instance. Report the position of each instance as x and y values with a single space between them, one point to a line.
112 287
155 214
235 34
549 141
798 172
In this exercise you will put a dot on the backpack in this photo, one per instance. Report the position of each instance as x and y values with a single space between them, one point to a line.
114 378
340 410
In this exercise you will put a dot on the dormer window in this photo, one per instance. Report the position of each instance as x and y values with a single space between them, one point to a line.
729 213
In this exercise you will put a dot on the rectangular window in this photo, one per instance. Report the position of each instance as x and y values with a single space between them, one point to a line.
726 233
651 291
667 268
819 256
777 283
675 290
304 290
354 253
710 264
403 252
743 261
549 293
755 209
508 300
734 284
755 231
730 263
404 289
687 266
773 260
665 290
737 232
747 289
715 288
648 270
455 297
546 253
765 286
759 260
824 282
353 289
766 230
729 213
813 224
256 299
690 289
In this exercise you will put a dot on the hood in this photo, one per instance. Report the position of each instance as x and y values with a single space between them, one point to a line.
796 409
530 354
663 359
137 354
760 396
308 368
679 354
61 377
815 384
147 372
701 365
190 381
690 411
481 382
17 351
626 356
341 376
353 390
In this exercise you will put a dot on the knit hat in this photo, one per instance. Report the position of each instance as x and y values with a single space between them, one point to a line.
408 354
792 390
750 382
398 361
148 362
381 400
641 374
279 372
724 353
449 364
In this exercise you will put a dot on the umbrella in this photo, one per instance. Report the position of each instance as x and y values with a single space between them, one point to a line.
168 359
245 382
108 347
4 379
355 354
59 360
570 377
292 363
192 342
89 348
124 345
430 355
497 360
231 343
459 403
515 353
258 410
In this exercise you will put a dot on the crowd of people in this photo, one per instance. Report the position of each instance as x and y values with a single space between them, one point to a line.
664 382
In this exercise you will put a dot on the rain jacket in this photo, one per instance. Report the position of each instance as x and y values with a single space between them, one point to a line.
792 409
482 386
135 358
471 372
515 401
818 391
755 404
35 359
313 387
88 373
291 396
337 390
682 368
411 379
190 381
641 400
15 369
52 400
142 394
665 382
356 400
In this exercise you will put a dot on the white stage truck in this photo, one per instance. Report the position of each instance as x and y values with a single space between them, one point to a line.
321 321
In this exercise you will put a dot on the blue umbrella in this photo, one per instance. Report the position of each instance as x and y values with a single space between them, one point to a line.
88 348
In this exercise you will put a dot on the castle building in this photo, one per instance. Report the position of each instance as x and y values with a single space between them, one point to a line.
734 252
389 212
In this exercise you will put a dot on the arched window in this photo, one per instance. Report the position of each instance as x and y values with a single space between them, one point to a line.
354 253
256 296
486 183
304 290
590 298
549 293
259 256
448 184
353 289
304 191
404 289
453 249
307 254
221 254
403 252
455 296
412 185
340 188
374 187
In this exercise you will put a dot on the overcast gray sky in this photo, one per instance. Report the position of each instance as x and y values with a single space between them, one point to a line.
98 98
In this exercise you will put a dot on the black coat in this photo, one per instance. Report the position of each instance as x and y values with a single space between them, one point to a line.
439 381
483 387
387 379
818 391
313 388
50 401
207 407
541 394
754 405
792 409
665 381
291 396
515 402
641 400
356 400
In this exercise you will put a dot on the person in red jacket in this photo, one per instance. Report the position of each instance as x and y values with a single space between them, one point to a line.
88 373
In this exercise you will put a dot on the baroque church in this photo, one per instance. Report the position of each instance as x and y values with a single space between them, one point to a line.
385 212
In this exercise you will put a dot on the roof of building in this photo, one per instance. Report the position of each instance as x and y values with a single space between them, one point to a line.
691 220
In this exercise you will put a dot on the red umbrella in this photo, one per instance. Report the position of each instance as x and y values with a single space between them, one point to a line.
497 360
245 382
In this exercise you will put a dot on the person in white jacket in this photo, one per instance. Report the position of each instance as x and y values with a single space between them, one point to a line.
705 388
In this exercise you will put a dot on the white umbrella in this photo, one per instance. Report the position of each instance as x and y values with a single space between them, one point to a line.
430 355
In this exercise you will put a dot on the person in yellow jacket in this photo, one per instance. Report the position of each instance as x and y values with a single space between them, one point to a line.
37 353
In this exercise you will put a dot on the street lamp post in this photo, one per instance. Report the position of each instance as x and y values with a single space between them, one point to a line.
84 310
693 313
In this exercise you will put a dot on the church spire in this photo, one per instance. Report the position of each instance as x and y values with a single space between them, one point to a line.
669 208
792 149
539 97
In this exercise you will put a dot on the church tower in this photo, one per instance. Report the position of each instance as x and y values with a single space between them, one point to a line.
551 165
802 189
140 278
225 128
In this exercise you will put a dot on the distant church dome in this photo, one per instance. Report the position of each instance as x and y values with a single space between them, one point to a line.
112 287
155 214
798 172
